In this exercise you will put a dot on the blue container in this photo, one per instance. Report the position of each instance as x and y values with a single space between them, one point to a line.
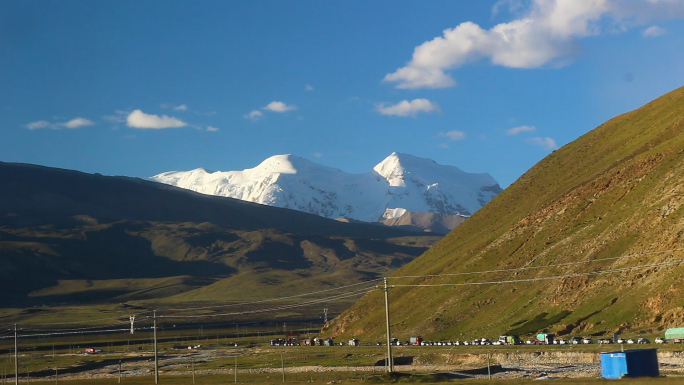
630 363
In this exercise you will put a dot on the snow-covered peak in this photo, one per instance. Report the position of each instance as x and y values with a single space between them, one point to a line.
397 166
286 164
401 182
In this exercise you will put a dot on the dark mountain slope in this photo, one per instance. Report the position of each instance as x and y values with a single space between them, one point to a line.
614 192
34 195
71 237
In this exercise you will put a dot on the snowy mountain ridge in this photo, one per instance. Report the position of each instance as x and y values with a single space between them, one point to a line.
399 183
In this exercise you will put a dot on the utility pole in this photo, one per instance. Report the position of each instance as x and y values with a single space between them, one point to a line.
282 365
16 358
325 315
390 361
132 319
156 362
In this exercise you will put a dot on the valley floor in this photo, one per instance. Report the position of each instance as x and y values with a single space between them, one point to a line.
263 363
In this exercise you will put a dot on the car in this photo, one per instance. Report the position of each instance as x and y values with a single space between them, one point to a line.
466 343
531 342
631 341
562 341
497 343
587 340
660 340
576 340
643 341
605 341
621 341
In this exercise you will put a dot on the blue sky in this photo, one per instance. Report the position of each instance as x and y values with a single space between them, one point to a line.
138 88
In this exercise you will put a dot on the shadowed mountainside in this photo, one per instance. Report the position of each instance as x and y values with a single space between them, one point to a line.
610 201
72 237
34 195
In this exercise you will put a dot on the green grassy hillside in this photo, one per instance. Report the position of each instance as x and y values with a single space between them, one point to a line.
618 190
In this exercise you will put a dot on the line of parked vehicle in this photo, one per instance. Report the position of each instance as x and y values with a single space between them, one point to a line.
539 339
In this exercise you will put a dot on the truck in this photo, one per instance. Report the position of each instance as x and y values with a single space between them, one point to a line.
675 335
510 340
416 341
545 338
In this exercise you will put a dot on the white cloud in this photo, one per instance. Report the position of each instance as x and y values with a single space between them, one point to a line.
139 119
309 87
73 123
453 135
317 155
182 107
77 122
254 115
515 7
114 118
38 125
212 129
408 108
653 31
276 106
519 129
546 35
546 143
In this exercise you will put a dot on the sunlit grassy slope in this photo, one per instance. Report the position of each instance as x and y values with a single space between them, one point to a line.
617 190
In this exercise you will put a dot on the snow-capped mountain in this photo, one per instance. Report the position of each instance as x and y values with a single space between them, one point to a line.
398 184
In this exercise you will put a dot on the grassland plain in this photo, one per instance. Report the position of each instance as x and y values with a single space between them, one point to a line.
257 362
617 191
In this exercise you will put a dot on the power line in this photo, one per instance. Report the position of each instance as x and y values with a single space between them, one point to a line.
536 267
97 327
84 321
275 299
282 307
63 333
622 269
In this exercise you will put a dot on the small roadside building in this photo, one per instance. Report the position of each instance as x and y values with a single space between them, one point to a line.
630 363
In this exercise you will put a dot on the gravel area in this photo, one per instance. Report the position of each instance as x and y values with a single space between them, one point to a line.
536 365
